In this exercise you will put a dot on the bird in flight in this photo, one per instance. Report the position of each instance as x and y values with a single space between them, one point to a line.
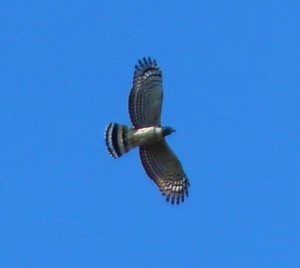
158 160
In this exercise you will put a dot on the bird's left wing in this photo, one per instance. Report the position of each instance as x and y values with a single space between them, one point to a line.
163 167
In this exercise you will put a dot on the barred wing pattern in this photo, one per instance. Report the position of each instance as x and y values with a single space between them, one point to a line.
145 99
163 167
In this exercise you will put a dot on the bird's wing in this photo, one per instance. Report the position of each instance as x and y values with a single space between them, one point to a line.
163 167
145 99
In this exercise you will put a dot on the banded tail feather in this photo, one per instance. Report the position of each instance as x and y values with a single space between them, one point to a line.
117 139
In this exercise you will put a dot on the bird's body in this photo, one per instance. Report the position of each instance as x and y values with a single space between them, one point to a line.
148 135
160 163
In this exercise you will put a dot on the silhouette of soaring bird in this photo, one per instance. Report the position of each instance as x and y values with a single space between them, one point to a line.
158 160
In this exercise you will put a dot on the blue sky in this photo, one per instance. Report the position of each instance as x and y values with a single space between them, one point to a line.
231 78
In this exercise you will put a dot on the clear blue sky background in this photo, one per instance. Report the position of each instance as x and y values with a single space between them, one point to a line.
231 77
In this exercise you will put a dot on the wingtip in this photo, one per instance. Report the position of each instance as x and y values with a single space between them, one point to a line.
145 62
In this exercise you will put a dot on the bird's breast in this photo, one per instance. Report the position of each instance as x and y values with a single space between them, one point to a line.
147 135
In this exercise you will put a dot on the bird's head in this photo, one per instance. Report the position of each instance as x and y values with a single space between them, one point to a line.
167 131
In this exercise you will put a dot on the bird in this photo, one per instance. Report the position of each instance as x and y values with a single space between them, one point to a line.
147 133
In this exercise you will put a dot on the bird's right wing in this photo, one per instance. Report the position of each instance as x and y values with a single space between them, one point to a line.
145 99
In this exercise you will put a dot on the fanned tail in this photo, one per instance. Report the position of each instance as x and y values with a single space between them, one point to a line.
117 139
